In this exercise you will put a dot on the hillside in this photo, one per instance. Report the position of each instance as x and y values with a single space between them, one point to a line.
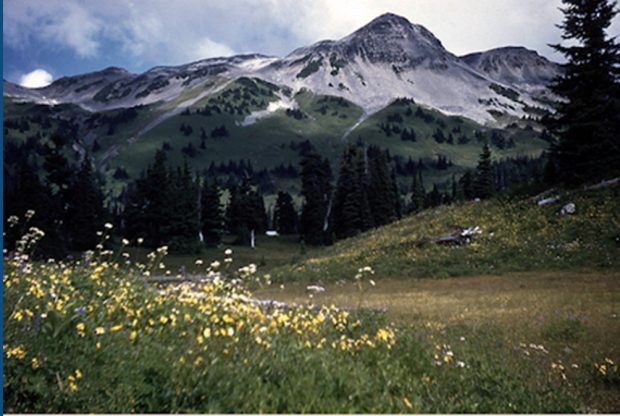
515 235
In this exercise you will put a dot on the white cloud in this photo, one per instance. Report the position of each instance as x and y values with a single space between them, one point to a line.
62 23
36 79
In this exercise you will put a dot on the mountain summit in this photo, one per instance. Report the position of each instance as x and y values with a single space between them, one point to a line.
393 39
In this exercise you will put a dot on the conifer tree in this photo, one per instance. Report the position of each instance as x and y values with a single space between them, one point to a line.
181 224
26 192
418 193
381 193
361 172
434 197
285 217
483 185
85 211
587 122
398 208
212 221
351 211
316 189
466 186
246 212
148 203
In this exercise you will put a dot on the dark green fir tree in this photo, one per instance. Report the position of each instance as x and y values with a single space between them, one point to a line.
316 190
212 220
285 218
484 184
587 121
85 210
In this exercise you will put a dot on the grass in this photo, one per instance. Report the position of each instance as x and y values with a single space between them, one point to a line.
516 235
572 314
269 253
89 337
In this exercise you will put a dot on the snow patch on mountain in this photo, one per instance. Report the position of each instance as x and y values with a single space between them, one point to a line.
284 103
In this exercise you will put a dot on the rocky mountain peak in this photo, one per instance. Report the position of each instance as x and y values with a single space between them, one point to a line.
513 65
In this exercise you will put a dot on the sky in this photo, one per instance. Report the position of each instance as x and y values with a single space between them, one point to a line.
44 40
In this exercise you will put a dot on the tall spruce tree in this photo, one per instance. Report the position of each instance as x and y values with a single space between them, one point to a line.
85 211
587 122
181 225
351 210
361 169
246 212
484 184
418 193
26 192
212 221
381 193
398 206
466 186
148 204
285 217
316 189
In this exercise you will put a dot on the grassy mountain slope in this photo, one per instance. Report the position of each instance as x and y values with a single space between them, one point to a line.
128 138
516 235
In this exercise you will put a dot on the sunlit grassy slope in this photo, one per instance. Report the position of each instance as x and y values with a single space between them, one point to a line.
516 235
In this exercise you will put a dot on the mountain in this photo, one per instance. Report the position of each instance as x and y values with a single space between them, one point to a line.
386 59
514 65
390 58
390 84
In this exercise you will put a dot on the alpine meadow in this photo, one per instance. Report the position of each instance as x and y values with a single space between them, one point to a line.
372 224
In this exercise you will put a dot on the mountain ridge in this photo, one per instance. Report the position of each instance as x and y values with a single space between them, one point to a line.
386 59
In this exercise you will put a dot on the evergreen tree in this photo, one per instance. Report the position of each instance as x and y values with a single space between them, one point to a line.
58 170
381 195
351 210
85 211
246 212
26 192
434 197
398 208
587 122
181 225
361 169
418 193
483 185
284 216
316 189
466 186
212 221
148 203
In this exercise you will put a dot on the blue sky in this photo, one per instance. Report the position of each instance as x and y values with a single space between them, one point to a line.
68 37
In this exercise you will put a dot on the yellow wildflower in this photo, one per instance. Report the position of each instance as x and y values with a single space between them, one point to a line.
407 402
133 335
100 330
116 328
34 363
